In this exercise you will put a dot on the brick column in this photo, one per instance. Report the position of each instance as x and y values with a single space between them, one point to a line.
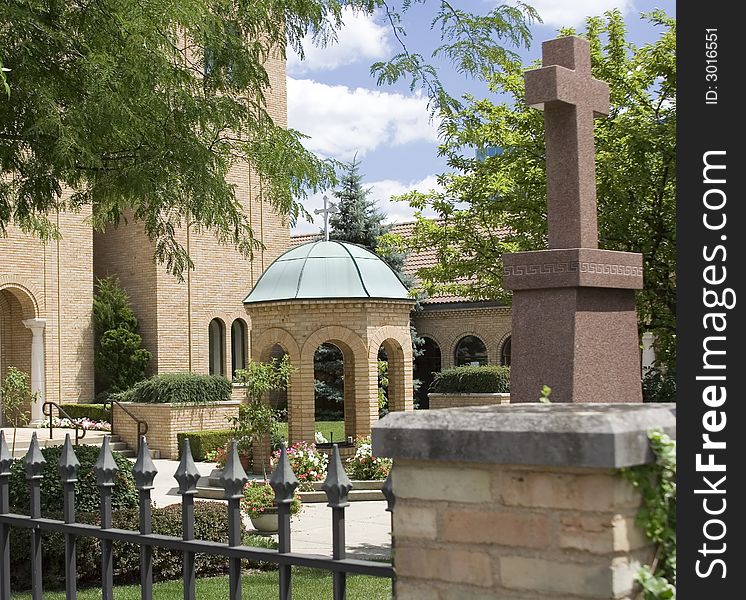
518 501
37 367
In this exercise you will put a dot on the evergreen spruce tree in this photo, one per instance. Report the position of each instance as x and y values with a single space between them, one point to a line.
358 221
119 360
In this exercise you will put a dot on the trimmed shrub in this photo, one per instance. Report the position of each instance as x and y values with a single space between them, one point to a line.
95 412
120 360
210 523
87 498
184 388
487 379
202 442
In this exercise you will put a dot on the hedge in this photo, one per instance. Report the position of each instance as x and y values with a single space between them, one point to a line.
95 412
202 442
210 523
185 388
87 498
488 379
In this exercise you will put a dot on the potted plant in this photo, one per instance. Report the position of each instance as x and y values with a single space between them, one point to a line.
258 503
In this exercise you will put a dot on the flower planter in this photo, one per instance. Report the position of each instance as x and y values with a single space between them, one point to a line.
458 400
267 523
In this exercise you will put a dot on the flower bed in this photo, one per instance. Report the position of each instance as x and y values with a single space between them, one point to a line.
364 466
309 465
83 422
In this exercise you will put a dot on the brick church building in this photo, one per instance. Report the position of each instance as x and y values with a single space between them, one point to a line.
199 325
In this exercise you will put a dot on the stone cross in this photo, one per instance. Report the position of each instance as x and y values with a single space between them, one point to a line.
329 209
574 320
570 98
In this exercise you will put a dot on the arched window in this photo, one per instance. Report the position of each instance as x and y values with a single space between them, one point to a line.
216 344
505 352
470 350
238 345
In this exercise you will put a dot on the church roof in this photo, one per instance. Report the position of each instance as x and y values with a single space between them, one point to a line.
320 269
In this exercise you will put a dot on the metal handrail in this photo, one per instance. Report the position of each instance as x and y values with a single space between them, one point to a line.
60 412
142 426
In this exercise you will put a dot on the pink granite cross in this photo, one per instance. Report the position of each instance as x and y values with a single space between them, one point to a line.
570 98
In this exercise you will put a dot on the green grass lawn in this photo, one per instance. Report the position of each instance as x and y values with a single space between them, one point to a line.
308 584
327 428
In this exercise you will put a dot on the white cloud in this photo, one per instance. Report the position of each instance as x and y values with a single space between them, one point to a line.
565 13
398 212
361 38
381 192
342 121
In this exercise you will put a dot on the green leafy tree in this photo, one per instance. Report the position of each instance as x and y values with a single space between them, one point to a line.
141 108
489 206
120 360
16 397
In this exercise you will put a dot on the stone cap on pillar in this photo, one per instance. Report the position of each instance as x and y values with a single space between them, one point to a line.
569 435
572 267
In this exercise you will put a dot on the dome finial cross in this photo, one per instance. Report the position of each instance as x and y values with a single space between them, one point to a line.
329 209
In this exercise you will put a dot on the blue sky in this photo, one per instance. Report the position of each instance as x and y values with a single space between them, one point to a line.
333 99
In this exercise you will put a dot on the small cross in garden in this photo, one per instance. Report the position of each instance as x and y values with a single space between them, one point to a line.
329 209
570 98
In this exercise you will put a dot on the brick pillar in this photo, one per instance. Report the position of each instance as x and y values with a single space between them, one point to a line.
518 501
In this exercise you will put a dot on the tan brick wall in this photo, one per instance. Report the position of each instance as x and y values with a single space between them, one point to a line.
460 400
358 328
468 531
54 282
175 316
165 421
57 280
447 327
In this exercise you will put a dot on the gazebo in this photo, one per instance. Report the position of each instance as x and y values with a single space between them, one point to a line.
343 294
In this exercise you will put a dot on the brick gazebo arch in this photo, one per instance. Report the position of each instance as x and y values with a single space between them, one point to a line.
350 299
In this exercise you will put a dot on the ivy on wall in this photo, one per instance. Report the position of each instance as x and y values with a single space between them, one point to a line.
657 516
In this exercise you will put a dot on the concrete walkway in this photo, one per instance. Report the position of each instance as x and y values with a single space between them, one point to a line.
368 530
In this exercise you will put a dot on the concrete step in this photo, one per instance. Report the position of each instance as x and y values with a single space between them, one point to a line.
92 438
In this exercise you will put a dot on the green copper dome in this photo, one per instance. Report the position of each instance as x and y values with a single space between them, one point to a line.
327 270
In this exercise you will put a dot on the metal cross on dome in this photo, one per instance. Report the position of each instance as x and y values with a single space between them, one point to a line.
329 209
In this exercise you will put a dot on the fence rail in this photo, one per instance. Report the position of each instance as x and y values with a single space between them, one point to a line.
283 481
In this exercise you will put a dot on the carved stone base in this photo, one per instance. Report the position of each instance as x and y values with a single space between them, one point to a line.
581 341
572 267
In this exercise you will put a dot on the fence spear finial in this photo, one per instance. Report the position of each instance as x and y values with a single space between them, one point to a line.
187 474
68 464
5 458
283 481
388 492
105 466
34 460
144 469
336 485
233 477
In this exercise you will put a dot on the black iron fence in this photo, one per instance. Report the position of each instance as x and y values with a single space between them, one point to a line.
283 481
